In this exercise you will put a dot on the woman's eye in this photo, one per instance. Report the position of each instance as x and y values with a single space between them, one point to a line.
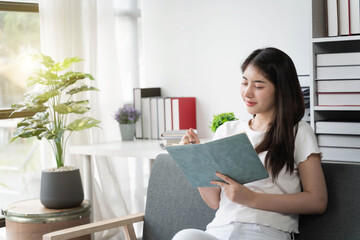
259 87
244 83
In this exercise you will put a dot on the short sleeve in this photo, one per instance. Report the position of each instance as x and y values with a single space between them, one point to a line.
220 131
229 128
305 142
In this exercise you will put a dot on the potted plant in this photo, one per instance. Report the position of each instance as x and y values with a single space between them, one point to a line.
126 117
221 118
52 101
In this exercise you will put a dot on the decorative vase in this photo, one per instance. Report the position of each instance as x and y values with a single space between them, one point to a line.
127 131
61 189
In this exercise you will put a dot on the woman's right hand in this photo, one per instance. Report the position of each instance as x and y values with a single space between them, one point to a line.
190 137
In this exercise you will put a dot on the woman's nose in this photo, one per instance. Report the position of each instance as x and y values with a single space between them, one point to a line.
248 91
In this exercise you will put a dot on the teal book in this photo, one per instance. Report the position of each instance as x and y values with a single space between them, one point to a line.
233 156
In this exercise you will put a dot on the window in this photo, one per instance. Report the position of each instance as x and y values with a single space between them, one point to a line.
20 165
20 36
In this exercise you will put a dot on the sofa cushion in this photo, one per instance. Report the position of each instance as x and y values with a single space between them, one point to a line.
342 217
170 192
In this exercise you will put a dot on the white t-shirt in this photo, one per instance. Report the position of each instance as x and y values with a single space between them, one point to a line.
305 144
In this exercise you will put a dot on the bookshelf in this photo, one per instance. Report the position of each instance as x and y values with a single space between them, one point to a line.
320 44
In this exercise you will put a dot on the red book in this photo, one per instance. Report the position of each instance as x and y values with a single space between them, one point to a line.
183 113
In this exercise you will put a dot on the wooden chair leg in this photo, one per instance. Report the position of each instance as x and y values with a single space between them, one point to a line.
130 233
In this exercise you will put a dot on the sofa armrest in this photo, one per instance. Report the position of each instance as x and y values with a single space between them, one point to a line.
126 222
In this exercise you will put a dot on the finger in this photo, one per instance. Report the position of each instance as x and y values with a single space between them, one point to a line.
185 140
219 183
193 136
225 178
190 136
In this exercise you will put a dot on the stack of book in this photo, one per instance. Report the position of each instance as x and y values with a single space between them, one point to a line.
306 94
160 114
339 141
172 137
342 17
338 79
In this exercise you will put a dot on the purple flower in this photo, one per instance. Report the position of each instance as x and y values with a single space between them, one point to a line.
127 115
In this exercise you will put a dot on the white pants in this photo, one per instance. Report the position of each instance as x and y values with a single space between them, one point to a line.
234 231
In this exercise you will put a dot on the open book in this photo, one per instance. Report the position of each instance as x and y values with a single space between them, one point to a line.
233 156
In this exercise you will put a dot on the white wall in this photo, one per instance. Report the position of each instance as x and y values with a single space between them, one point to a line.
196 47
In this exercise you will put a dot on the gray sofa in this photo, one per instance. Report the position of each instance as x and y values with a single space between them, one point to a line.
172 205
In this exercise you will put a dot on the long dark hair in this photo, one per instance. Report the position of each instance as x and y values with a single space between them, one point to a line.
279 140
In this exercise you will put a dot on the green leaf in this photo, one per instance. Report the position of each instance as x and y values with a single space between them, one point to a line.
43 116
37 108
17 105
82 102
62 109
71 78
36 121
28 107
35 80
44 97
47 61
47 135
58 67
83 123
78 109
220 119
81 89
75 75
43 78
27 132
35 126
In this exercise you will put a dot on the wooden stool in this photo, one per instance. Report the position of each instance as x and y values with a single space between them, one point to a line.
30 220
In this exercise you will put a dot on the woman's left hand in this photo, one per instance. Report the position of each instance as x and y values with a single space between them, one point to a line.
235 191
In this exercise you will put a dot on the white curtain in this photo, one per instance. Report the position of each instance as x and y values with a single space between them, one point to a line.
90 30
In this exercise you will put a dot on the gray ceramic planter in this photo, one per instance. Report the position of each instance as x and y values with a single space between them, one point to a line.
61 189
127 132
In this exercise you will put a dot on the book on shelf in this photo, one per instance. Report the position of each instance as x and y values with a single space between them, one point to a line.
172 137
333 127
338 99
154 118
146 118
161 116
354 17
304 80
168 114
233 156
327 140
344 17
183 113
337 59
340 154
338 72
170 142
173 133
332 18
306 94
330 86
138 94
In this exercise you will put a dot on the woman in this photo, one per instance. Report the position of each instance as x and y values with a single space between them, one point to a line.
269 208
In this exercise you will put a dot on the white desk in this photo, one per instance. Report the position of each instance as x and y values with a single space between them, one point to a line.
147 149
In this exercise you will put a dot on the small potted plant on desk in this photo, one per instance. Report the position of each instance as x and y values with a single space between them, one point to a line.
126 117
220 119
52 101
